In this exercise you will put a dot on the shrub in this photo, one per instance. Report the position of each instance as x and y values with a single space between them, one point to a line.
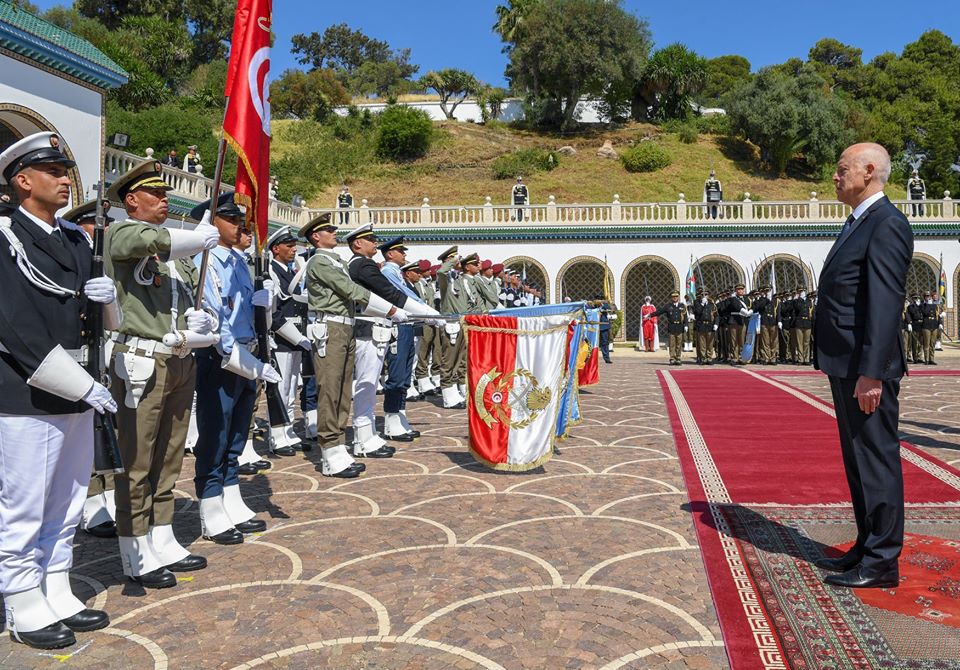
405 133
688 133
715 124
524 161
645 157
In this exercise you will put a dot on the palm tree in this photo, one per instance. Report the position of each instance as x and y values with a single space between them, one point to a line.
510 18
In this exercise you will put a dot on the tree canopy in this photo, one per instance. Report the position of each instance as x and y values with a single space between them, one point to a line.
451 84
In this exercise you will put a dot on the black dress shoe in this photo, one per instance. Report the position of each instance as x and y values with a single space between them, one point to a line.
248 469
188 564
161 578
54 636
86 620
863 578
229 536
840 564
405 437
284 451
105 529
348 473
459 405
382 452
415 433
262 465
252 526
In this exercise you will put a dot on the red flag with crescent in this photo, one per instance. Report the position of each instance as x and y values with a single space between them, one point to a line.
247 121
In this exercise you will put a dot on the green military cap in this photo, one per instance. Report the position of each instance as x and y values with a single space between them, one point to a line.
322 221
765 288
148 174
449 252
472 258
674 294
413 266
87 210
738 287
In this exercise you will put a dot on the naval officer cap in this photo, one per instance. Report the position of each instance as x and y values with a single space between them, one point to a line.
281 236
321 222
226 208
148 174
87 210
31 150
365 230
413 266
448 253
396 244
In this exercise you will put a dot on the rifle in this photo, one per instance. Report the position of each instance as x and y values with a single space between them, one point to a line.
106 449
276 408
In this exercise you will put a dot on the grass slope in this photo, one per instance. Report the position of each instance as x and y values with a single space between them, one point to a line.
458 170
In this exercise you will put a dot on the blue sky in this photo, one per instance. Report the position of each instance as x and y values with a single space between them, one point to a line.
456 33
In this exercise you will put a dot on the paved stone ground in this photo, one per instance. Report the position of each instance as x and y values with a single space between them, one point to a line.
431 561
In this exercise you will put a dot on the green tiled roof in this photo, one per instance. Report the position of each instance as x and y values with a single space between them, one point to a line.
47 43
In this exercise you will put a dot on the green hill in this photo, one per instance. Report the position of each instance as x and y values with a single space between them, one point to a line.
457 170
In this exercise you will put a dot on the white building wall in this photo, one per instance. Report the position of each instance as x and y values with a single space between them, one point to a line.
469 110
72 110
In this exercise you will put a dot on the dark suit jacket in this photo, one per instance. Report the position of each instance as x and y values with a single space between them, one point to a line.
861 291
33 322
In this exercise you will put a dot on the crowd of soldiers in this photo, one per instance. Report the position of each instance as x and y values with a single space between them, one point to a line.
185 342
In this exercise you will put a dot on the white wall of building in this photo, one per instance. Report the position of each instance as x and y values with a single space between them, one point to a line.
469 110
72 110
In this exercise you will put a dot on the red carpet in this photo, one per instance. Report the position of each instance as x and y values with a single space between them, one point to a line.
763 471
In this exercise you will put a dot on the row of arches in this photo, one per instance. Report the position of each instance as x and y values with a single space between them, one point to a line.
582 278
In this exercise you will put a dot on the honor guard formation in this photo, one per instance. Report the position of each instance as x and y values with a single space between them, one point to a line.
126 344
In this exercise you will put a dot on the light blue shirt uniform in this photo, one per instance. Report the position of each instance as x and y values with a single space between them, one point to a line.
393 273
227 292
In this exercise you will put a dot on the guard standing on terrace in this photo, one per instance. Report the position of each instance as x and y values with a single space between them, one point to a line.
520 196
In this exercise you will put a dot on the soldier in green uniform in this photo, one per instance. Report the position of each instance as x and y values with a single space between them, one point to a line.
487 287
332 298
707 322
152 382
676 313
765 306
740 313
453 300
930 326
428 348
803 324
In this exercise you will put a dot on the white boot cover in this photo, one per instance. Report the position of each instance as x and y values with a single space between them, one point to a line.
166 546
335 459
462 390
28 611
412 393
249 454
237 510
404 422
138 556
451 396
283 436
213 516
435 379
310 423
393 426
95 511
425 384
365 439
56 589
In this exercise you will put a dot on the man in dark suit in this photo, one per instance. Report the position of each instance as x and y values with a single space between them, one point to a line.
858 345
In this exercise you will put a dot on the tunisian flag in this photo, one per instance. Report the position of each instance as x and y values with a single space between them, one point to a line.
247 121
515 373
589 372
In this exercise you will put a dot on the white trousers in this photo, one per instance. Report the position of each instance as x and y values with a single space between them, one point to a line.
289 363
367 366
45 464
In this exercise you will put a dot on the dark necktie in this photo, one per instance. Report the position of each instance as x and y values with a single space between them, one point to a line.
847 225
57 236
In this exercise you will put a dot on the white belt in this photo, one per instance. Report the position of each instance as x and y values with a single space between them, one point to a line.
79 355
322 318
141 345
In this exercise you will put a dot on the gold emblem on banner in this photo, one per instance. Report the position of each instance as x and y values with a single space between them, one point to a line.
525 398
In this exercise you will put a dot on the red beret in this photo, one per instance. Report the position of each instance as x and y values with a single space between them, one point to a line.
425 265
486 265
497 268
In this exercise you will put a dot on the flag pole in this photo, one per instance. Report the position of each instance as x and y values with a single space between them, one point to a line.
214 197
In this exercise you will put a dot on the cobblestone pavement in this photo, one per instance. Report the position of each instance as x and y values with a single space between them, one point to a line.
432 561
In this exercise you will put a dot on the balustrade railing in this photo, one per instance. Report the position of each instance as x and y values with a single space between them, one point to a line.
196 187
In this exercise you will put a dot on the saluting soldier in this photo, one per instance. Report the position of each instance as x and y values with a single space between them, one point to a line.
739 315
100 507
803 325
453 300
400 357
227 375
333 299
48 399
915 328
676 313
765 306
706 323
152 382
287 325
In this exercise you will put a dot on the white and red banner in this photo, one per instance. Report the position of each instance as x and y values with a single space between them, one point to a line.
247 121
515 375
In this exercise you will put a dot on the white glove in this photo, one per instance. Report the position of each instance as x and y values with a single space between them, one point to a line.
780 325
261 298
613 317
715 326
211 236
269 375
685 329
99 398
703 301
400 316
199 322
439 323
746 312
305 345
909 328
100 289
